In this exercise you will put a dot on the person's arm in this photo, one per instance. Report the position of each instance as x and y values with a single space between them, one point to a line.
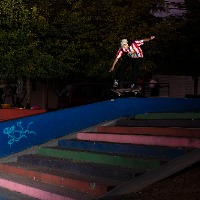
113 66
148 39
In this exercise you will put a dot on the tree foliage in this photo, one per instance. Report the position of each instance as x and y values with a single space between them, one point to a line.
50 38
179 48
58 38
192 31
93 35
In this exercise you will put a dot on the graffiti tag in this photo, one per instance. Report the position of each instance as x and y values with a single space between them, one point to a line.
15 134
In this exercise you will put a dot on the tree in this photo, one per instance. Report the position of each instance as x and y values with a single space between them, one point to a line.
93 34
23 27
193 32
54 39
179 42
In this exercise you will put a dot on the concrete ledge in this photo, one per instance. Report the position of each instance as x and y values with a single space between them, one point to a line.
153 176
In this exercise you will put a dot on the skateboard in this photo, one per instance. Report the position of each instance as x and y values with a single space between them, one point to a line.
135 91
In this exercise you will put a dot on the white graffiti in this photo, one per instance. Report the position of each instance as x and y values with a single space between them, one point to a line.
15 134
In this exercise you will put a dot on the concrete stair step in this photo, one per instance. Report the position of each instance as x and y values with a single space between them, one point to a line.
175 142
181 115
40 190
165 153
91 185
185 123
144 163
77 167
156 131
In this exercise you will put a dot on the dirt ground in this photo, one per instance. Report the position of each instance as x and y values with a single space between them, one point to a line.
184 185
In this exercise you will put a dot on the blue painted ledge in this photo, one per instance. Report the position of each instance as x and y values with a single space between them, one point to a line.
23 133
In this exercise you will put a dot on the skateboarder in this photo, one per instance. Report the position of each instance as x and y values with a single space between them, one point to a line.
131 55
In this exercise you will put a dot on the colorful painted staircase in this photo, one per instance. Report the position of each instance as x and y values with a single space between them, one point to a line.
95 163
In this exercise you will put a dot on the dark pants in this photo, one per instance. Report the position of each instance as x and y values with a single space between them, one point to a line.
134 63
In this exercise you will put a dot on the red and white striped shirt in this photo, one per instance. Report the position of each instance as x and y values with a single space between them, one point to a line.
134 50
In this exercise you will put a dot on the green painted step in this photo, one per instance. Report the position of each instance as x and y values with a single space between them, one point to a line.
187 115
109 159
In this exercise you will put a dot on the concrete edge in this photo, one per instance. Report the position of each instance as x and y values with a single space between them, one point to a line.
166 170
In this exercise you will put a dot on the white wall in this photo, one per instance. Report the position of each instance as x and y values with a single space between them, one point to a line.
179 85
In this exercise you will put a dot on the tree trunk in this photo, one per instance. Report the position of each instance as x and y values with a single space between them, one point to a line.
28 95
47 95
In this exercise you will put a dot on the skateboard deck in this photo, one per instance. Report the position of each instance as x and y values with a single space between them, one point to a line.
121 91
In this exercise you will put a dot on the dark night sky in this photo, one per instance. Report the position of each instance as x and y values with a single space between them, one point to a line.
173 8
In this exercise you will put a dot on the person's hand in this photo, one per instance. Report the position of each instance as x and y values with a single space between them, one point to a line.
152 37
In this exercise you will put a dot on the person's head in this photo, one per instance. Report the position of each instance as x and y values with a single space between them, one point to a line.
124 43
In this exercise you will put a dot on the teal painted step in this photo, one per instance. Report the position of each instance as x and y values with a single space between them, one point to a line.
142 163
187 115
164 153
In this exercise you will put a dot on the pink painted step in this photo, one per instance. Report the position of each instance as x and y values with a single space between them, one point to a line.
141 139
160 131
